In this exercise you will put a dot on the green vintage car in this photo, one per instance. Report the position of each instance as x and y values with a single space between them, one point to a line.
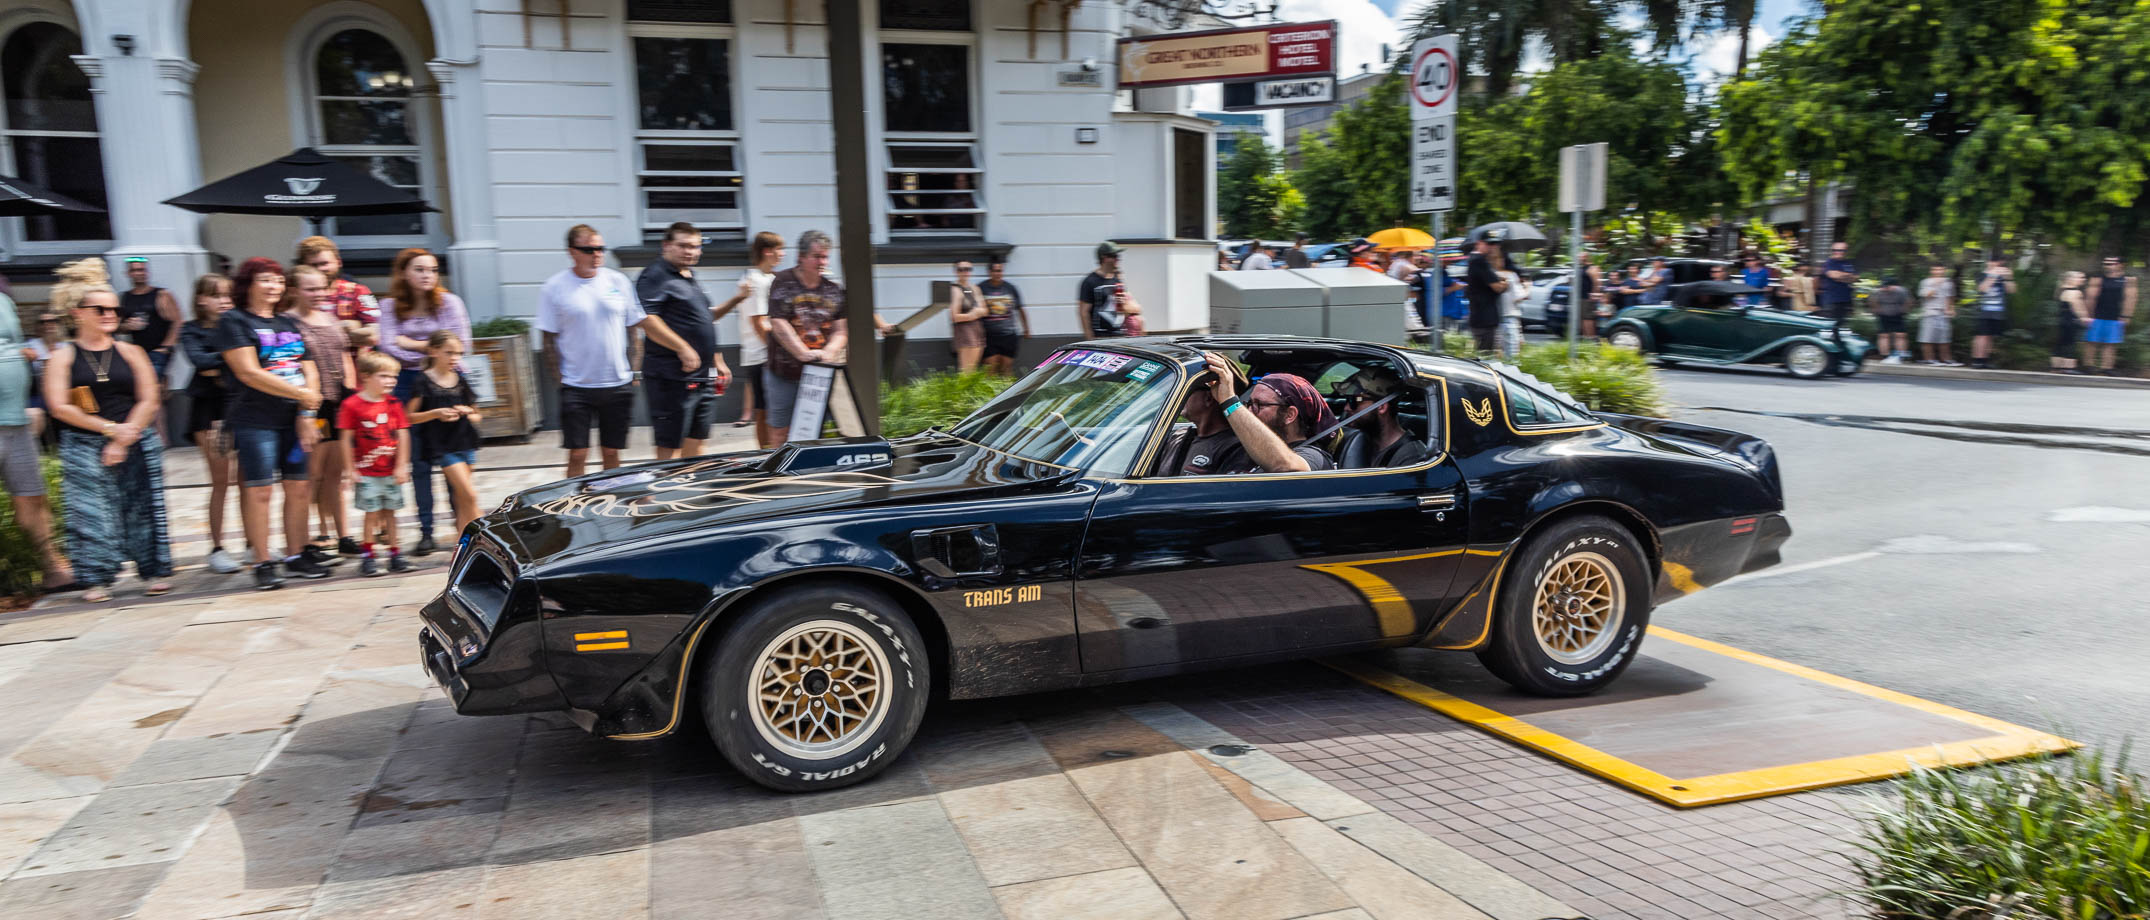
1705 324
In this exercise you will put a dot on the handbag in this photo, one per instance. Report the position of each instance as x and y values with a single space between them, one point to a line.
83 399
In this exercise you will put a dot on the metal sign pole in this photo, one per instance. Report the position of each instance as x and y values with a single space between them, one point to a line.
1575 287
1438 290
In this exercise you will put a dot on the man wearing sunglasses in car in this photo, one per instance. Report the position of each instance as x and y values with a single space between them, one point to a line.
1392 446
1273 420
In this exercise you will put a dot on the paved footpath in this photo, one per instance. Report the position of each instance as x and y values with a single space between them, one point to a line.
281 755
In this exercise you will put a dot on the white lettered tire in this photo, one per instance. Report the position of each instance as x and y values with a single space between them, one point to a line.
816 687
1574 606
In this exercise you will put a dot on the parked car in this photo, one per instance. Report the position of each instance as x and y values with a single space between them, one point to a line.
1705 325
1542 281
1684 271
807 603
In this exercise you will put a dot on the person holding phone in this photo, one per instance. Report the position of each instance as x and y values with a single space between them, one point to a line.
1994 286
1106 306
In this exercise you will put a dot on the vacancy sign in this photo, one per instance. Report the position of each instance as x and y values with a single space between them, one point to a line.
1277 94
1302 49
1434 77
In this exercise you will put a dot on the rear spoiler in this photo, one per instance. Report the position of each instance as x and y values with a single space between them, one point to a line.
1743 449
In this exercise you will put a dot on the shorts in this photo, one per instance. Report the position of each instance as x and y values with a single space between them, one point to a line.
2104 332
750 376
782 396
379 493
1992 325
1891 324
453 457
1936 330
680 410
1002 344
204 410
612 408
19 467
265 455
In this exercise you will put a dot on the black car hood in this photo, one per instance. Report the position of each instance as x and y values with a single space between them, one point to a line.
681 496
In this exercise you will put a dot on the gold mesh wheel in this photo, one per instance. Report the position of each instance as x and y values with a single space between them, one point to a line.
819 689
1579 608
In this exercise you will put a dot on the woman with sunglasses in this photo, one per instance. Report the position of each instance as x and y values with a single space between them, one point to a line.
105 392
965 309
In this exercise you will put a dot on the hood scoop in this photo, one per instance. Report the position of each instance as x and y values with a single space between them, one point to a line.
843 454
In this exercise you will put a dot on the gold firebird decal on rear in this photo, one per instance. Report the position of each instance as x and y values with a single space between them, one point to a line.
1481 414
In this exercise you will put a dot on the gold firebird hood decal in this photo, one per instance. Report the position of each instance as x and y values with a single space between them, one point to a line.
1481 414
705 486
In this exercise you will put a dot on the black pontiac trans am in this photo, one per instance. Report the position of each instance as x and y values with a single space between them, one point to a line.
806 603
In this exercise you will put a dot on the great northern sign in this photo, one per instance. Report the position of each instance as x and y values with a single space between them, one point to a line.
1291 50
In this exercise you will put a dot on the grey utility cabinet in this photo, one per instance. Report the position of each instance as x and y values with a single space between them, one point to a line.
1362 305
1344 303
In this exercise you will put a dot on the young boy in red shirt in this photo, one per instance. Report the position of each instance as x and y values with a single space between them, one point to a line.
377 445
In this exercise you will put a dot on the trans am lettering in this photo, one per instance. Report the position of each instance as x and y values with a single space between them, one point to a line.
994 597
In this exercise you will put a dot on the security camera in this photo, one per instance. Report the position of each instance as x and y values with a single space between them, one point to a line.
1089 64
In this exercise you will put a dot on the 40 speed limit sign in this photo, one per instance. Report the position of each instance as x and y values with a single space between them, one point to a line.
1435 75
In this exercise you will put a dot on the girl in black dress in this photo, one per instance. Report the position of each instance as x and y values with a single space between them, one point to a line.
206 392
444 422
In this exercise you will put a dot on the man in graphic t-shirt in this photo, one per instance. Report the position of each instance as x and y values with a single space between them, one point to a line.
1103 298
1006 325
806 326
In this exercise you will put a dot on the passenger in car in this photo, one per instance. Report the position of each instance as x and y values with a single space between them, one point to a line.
1392 447
1273 421
1214 446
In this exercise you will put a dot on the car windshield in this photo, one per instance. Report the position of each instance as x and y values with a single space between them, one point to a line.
1086 409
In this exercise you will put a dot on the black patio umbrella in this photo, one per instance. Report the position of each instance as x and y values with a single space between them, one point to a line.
302 183
1513 235
22 199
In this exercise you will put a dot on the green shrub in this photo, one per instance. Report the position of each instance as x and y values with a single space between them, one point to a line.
1459 343
936 400
21 567
2054 839
1602 376
499 327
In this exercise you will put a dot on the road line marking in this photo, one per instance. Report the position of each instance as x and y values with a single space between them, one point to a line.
1801 567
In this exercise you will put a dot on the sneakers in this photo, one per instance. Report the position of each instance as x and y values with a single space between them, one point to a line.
221 562
266 579
303 566
1951 364
348 547
319 556
398 565
425 546
368 567
1893 359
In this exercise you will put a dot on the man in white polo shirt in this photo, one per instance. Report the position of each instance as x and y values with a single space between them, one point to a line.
585 313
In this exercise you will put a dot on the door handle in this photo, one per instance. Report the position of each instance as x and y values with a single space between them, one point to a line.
1439 501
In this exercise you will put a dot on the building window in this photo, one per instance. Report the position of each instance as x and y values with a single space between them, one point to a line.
934 174
686 145
928 15
714 12
363 116
48 131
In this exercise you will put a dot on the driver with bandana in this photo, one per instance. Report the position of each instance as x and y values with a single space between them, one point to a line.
1273 420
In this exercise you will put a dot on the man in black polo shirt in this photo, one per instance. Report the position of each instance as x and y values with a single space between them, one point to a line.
1482 285
682 386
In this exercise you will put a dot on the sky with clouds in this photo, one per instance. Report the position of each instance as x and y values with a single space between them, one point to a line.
1364 26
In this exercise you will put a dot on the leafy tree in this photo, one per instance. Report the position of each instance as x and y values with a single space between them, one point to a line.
1239 203
1283 208
1975 120
1374 138
1492 35
1326 184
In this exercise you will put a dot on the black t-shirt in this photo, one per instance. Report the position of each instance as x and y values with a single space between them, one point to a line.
2112 295
1478 281
1405 452
443 436
1296 258
282 351
1316 459
1096 294
680 303
1002 301
144 305
1211 454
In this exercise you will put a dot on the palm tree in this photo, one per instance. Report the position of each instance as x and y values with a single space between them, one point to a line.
1730 14
1495 33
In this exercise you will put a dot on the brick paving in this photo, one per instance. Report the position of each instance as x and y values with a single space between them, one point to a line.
1614 854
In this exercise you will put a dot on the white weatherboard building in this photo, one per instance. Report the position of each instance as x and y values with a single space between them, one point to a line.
995 130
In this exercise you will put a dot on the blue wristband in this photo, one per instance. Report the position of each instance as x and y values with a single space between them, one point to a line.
1232 405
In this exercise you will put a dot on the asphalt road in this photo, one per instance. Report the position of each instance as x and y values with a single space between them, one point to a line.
1981 545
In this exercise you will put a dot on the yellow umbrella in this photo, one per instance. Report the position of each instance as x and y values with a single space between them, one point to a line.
1402 238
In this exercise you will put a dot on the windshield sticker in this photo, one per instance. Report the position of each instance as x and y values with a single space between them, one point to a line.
1053 359
1074 357
1141 373
1106 361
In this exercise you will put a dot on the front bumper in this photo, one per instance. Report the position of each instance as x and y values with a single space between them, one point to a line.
482 643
